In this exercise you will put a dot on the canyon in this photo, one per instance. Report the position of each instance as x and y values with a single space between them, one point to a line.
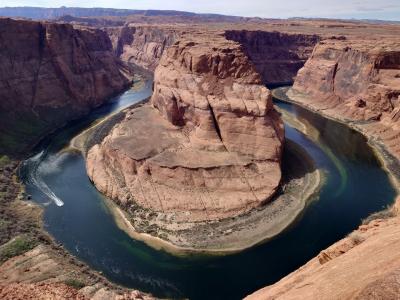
358 82
345 76
52 74
209 132
222 139
276 56
348 77
142 45
208 144
354 81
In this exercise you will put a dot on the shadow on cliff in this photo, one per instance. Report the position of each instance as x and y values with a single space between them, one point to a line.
296 162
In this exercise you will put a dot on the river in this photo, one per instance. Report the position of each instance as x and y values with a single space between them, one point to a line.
76 216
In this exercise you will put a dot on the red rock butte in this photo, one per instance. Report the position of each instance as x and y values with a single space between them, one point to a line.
208 145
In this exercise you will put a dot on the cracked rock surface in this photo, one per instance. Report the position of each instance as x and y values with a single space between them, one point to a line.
207 146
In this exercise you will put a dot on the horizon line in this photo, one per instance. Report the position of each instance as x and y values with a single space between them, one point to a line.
210 13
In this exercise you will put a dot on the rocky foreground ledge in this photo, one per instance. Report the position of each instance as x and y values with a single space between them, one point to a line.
32 264
208 145
363 265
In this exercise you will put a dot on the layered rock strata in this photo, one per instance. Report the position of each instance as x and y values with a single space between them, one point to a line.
356 81
207 147
142 45
50 74
276 56
364 265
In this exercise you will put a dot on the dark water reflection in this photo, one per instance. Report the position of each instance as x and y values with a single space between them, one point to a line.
356 186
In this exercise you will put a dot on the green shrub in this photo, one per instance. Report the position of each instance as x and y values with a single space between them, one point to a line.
4 160
75 283
16 246
3 223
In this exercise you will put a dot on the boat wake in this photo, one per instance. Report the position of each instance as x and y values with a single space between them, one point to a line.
38 168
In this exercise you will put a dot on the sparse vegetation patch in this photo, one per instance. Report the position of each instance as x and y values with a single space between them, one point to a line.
16 246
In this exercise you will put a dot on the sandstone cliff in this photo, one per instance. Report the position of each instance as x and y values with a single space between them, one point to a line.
276 56
50 74
364 265
209 145
355 81
142 45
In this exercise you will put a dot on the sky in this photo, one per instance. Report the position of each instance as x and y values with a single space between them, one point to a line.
359 9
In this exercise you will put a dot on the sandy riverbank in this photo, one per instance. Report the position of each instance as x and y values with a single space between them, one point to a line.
243 232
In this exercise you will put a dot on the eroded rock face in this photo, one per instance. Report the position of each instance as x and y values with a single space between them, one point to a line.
364 77
42 273
39 291
364 265
207 147
277 56
358 81
50 74
142 45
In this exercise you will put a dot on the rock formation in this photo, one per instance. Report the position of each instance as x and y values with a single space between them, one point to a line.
355 81
364 265
207 147
61 291
39 291
142 45
276 56
50 74
42 273
359 76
